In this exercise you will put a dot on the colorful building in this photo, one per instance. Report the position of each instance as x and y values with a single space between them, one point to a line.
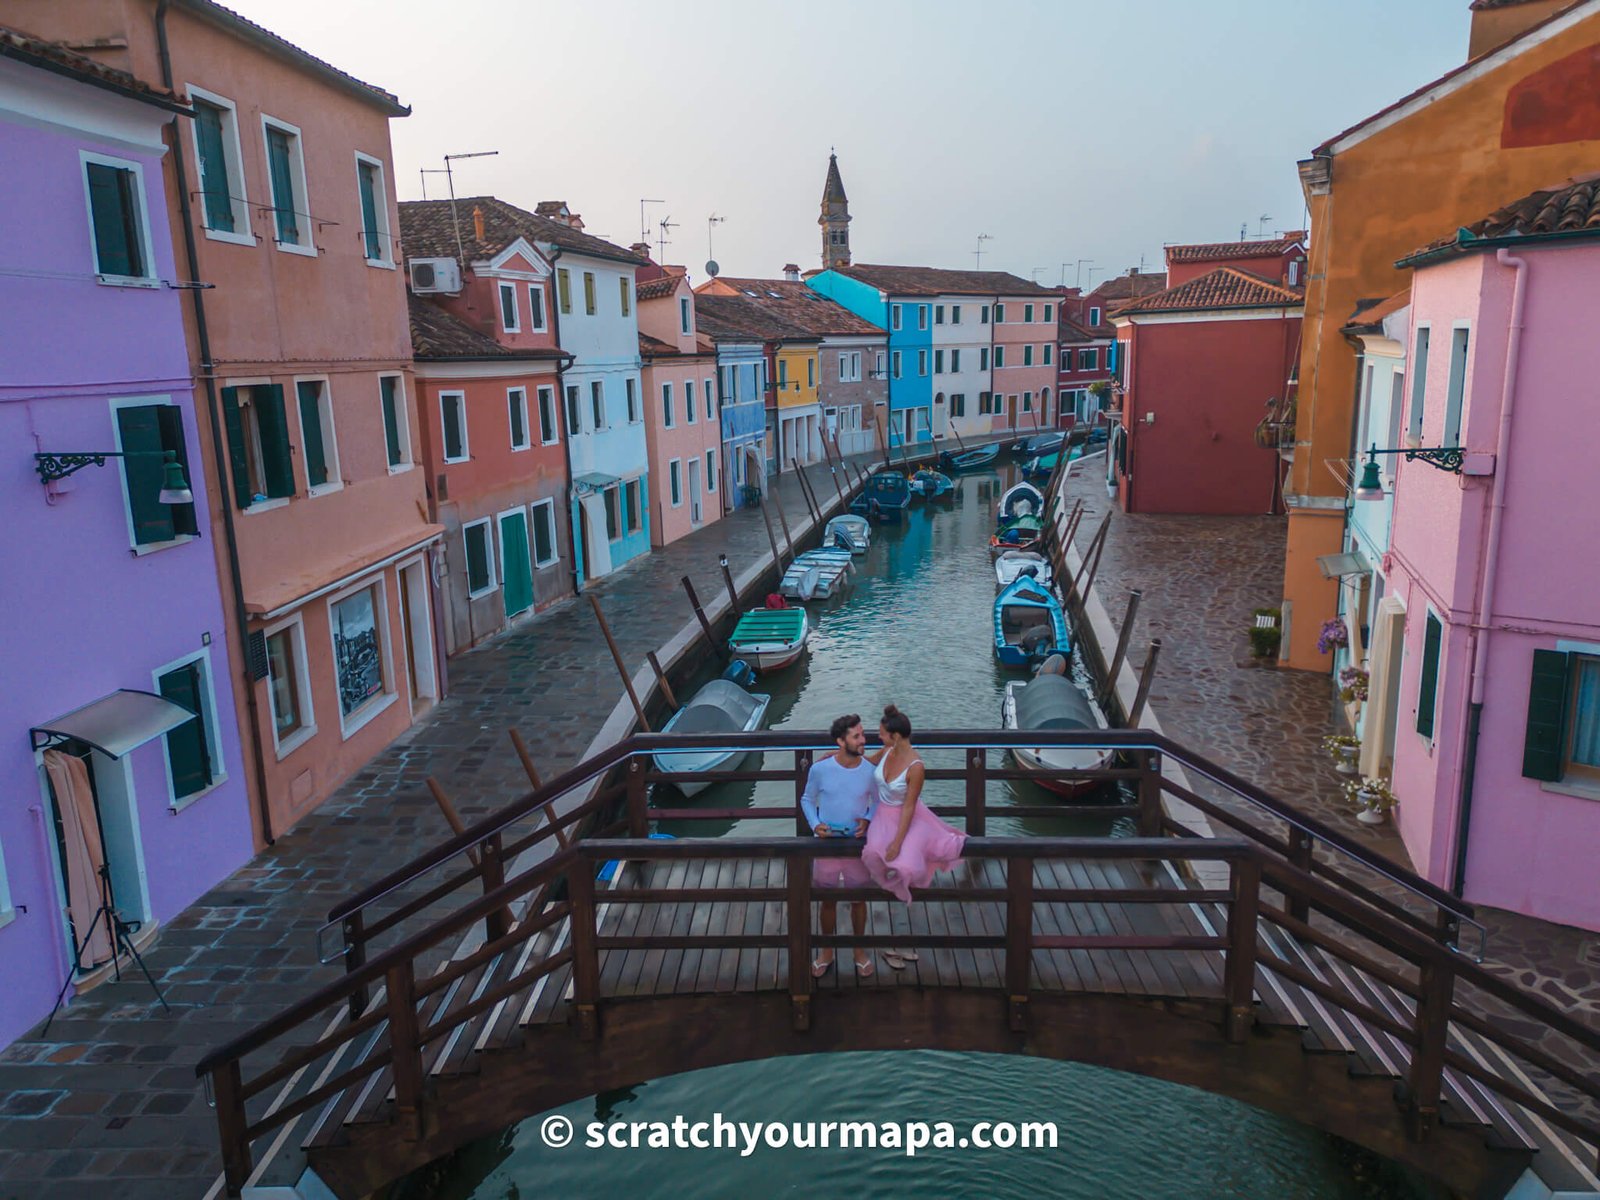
121 745
1493 714
1023 355
683 429
1523 113
1086 361
741 397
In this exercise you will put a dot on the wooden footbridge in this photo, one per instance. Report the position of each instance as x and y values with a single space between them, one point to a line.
506 972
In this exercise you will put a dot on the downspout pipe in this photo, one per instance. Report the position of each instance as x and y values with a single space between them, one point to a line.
218 451
1491 559
575 524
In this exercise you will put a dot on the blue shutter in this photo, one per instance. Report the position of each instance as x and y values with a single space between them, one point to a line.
238 458
115 214
140 430
316 454
283 198
273 425
1544 739
188 754
213 166
367 175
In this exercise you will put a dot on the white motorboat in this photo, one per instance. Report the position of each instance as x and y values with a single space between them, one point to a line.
1020 500
1053 703
720 707
848 532
1012 564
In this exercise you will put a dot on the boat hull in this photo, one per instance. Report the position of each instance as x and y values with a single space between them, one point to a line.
769 658
1046 765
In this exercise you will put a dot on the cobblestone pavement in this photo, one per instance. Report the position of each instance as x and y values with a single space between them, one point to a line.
108 1106
1201 577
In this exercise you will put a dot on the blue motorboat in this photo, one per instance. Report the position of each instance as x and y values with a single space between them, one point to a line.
932 485
972 460
1029 624
884 499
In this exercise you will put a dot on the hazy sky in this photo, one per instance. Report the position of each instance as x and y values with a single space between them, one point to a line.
1065 129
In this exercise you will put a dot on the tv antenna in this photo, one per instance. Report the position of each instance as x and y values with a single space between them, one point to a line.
1263 219
663 227
1034 274
711 226
1083 262
450 180
644 227
977 255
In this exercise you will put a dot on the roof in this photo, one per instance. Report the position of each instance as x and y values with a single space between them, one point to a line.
1117 291
1480 5
939 281
802 306
833 188
1217 251
1369 315
435 334
54 57
428 229
650 347
738 318
1566 212
658 288
1073 331
1571 13
1226 287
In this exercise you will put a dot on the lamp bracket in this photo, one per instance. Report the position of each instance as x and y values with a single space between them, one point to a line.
59 465
1445 458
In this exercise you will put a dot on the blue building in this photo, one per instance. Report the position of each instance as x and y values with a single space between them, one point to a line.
741 394
874 294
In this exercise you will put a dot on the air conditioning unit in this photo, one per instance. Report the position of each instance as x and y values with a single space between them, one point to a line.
430 275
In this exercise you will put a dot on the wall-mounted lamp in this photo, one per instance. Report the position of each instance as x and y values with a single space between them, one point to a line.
1446 458
174 483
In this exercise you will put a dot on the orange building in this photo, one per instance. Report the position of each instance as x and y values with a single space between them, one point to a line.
1522 114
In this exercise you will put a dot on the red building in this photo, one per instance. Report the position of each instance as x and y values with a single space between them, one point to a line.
1086 353
1200 362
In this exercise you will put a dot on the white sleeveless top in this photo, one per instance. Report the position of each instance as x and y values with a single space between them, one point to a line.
893 794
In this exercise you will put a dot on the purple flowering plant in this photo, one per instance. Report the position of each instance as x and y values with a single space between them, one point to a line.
1332 635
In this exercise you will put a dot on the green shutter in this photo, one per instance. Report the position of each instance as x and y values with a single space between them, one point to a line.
283 201
238 458
213 166
316 454
450 416
170 419
115 217
1544 741
1428 688
273 425
477 542
391 419
140 429
187 752
367 175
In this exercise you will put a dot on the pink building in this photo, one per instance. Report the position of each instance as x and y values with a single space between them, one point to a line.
1494 609
1023 359
683 427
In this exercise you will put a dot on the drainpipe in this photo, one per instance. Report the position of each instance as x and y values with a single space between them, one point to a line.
1491 558
218 451
574 524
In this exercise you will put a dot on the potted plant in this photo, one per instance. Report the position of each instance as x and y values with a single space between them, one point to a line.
1332 635
1373 799
1353 683
1266 635
1343 749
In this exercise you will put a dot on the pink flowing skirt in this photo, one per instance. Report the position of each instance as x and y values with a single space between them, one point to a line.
839 872
931 845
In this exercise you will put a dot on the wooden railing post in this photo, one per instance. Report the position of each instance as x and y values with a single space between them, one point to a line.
977 784
1019 940
585 955
491 867
1150 810
1239 971
232 1126
1301 846
637 801
802 769
355 957
799 918
405 1049
1435 985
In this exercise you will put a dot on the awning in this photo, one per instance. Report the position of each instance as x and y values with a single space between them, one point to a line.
115 724
594 481
1335 566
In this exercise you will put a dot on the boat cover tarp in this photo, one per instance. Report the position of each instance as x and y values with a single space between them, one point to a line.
1053 702
770 625
719 707
1022 500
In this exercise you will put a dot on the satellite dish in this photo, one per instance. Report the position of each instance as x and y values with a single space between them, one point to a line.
712 269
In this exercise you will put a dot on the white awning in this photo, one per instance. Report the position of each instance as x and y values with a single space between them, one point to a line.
115 724
1336 566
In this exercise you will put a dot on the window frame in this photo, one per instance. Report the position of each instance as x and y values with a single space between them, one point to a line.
330 442
711 400
895 317
564 291
1027 314
597 404
1575 774
1089 359
685 316
546 393
922 317
630 396
632 498
402 423
502 290
254 448
1027 354
591 294
1430 738
922 363
297 180
238 194
1421 348
998 358
178 539
626 296
1455 395
208 716
466 444
364 713
999 314
141 196
380 209
538 319
711 472
675 482
572 409
1094 316
1049 354
549 506
668 417
690 414
520 390
491 567
284 747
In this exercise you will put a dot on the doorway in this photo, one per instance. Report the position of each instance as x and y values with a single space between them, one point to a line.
596 538
516 565
1383 688
695 513
416 632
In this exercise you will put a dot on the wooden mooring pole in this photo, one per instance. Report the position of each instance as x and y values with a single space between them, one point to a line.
805 490
700 613
661 678
548 807
1146 673
766 519
1092 550
733 592
783 520
622 669
1123 637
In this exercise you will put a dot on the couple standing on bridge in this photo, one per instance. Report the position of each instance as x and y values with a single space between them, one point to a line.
877 796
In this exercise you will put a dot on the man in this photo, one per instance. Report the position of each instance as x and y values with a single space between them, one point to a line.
837 802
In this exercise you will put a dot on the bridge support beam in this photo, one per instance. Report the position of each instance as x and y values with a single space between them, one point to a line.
1019 940
1426 1079
585 955
1239 971
799 921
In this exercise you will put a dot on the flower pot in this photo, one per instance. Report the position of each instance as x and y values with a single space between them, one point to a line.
1345 760
1371 816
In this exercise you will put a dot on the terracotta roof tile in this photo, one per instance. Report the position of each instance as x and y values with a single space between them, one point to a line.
650 347
738 318
1073 331
1369 314
435 334
936 281
1226 287
53 56
1117 291
802 306
657 288
1217 251
1571 210
428 229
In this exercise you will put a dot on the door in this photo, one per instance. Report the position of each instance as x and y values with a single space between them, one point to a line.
596 541
416 630
695 515
1011 412
516 564
941 420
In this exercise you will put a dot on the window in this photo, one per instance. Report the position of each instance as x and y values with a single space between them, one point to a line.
783 373
289 687
689 408
955 362
590 306
1397 409
985 404
374 210
547 416
1027 313
711 402
634 505
396 427
1294 272
1094 316
666 406
1419 384
922 316
480 561
1088 360
894 360
999 356
117 218
517 411
286 172
675 482
1049 349
153 429
358 651
192 749
597 402
508 308
894 316
983 358
224 211
1049 310
1027 355
574 417
999 314
564 291
627 296
536 320
630 391
877 364
711 470
1563 733
544 533
958 405
938 362
922 362
613 517
983 314
811 372
955 314
1428 683
453 423
1027 401
938 314
1456 395
685 315
258 443
317 443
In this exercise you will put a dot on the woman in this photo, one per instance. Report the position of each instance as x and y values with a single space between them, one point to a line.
906 843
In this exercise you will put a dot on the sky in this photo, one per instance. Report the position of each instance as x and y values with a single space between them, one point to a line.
1066 130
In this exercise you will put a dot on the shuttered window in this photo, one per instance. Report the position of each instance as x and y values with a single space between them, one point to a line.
589 306
480 570
314 442
544 533
371 233
146 431
258 443
627 297
666 406
1428 686
214 175
1547 716
393 420
613 517
1419 382
280 170
453 422
547 415
564 290
188 749
114 211
517 411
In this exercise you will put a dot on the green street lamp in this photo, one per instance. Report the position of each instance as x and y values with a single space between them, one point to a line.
174 482
1445 458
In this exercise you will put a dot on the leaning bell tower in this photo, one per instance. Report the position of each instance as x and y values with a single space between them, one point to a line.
835 219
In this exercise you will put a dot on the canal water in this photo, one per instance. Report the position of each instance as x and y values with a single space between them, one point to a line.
915 628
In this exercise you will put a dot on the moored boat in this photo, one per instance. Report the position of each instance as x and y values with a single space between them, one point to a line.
885 497
1039 443
722 706
932 485
1020 500
800 581
1029 624
1022 534
1040 466
1054 704
848 531
770 638
833 569
1013 564
971 460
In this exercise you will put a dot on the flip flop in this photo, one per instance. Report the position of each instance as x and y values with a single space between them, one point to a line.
819 969
908 955
894 960
865 970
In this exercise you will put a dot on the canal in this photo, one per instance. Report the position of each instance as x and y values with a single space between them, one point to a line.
915 628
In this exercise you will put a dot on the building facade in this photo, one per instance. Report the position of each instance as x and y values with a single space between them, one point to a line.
1024 355
1086 361
741 398
123 778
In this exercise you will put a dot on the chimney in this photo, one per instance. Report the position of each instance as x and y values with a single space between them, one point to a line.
477 223
1496 22
642 249
791 272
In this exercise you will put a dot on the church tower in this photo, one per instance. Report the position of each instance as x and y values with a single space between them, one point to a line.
835 220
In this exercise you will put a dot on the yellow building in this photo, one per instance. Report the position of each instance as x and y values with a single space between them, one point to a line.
1523 114
799 415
